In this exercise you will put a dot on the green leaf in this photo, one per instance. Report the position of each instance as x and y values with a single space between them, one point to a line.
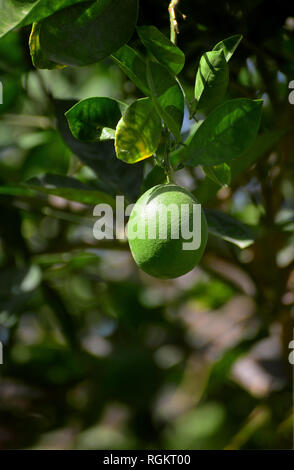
133 65
228 228
38 58
51 154
138 132
229 45
69 188
262 144
88 118
155 176
19 190
16 13
162 48
220 174
88 32
225 134
212 80
62 186
13 56
17 286
177 156
223 365
12 93
167 97
160 85
65 318
114 176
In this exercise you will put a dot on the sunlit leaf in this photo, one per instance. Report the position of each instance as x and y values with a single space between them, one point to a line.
162 48
16 13
138 132
133 65
212 79
229 45
225 134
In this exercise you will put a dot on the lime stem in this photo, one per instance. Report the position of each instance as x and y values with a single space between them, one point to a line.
167 167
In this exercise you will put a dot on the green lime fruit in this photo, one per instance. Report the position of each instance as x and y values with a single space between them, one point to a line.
158 229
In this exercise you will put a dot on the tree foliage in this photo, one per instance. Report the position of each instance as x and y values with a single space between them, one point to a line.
99 102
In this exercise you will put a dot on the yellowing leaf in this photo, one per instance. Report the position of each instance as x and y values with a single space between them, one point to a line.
138 132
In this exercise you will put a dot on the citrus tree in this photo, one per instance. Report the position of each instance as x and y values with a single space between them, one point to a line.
99 100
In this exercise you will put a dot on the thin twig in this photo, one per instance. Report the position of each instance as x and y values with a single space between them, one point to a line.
42 122
174 30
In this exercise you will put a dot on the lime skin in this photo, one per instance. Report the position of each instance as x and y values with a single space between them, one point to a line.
165 257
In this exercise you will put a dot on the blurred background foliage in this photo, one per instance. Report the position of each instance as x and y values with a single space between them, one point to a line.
99 355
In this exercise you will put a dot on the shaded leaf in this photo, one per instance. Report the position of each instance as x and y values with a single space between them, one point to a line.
167 97
262 144
12 93
15 13
38 58
220 174
69 188
13 59
162 48
115 176
229 45
66 321
133 65
16 287
155 176
177 156
51 154
19 190
88 118
225 134
212 80
88 32
138 132
55 185
228 228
